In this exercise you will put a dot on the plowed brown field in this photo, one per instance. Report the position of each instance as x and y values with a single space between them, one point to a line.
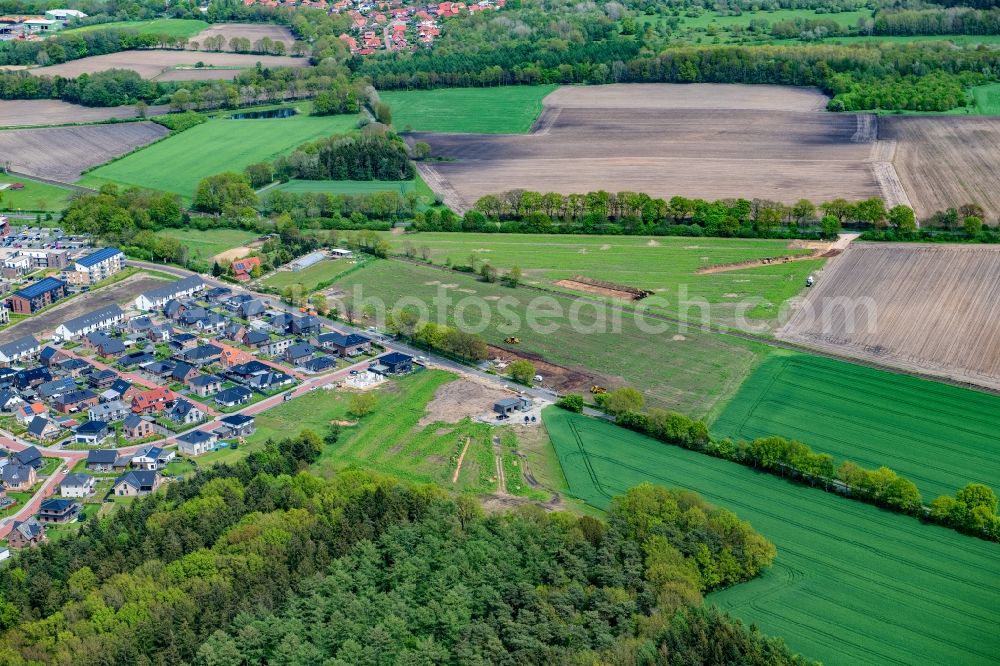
28 112
709 142
62 153
251 31
947 161
928 308
152 63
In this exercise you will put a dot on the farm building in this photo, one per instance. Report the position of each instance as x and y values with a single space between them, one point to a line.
157 298
19 349
508 406
38 295
308 260
98 320
96 266
341 253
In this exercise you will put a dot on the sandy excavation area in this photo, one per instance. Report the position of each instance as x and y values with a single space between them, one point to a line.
29 112
709 141
151 63
251 31
926 308
63 153
947 161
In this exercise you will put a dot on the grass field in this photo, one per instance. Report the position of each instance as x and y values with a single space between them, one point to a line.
940 437
206 244
690 371
309 277
213 147
347 186
171 27
851 584
665 266
34 196
390 440
503 110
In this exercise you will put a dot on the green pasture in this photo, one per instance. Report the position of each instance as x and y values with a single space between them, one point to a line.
852 584
664 265
177 163
310 277
940 437
346 186
35 195
500 110
681 368
709 19
206 244
163 26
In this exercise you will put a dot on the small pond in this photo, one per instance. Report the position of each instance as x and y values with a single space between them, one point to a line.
258 115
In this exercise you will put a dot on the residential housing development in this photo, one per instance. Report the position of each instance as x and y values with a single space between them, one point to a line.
96 266
37 295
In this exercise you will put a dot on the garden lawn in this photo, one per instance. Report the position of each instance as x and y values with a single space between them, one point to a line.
204 245
346 186
177 163
678 367
501 110
940 437
170 27
35 195
851 584
663 265
309 278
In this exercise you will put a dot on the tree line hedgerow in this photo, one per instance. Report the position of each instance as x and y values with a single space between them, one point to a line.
261 562
973 509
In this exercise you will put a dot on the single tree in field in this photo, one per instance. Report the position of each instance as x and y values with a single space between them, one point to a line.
623 400
513 277
522 371
488 273
902 218
973 226
362 404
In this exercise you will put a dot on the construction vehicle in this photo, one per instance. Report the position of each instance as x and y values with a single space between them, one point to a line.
598 390
512 341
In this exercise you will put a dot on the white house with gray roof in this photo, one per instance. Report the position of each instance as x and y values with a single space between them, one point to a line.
98 320
19 349
157 298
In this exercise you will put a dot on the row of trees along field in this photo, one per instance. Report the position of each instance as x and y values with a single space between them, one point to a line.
261 562
973 509
523 211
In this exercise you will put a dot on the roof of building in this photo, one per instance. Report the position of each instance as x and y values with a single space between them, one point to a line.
204 380
19 346
137 478
56 505
28 455
72 397
98 256
299 349
15 474
92 428
234 394
39 288
195 437
29 529
174 288
76 480
395 357
236 420
342 339
101 314
38 425
102 456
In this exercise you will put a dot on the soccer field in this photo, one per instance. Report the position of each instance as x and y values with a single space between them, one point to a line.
177 163
665 266
940 437
852 584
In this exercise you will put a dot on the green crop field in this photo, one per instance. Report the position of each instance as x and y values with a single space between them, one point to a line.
940 437
171 27
663 265
347 186
852 584
502 110
204 245
34 196
310 277
687 370
743 20
177 163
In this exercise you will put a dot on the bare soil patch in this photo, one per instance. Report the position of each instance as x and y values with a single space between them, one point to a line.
603 288
237 252
45 323
32 112
558 377
153 63
767 261
251 31
926 308
459 399
946 161
63 153
688 96
661 150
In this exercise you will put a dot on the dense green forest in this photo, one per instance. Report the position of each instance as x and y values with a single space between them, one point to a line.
261 562
375 154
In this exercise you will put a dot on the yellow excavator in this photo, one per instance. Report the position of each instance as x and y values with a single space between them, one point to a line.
598 390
